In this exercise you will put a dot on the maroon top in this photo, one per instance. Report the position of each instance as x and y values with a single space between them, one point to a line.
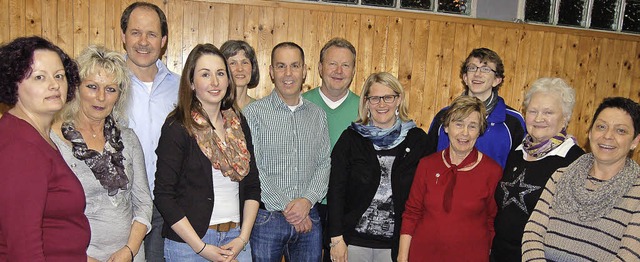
41 200
466 232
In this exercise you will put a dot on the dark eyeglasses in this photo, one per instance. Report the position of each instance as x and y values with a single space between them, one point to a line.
374 100
483 69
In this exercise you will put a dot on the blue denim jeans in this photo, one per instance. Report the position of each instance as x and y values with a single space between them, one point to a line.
272 237
179 252
153 242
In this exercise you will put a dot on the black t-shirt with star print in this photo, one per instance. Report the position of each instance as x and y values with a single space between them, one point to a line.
517 193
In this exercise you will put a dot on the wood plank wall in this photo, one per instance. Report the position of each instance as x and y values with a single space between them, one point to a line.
424 50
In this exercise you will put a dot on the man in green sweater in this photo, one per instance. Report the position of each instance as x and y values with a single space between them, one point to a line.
336 68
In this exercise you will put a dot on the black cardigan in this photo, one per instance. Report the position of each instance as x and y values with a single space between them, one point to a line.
355 177
184 180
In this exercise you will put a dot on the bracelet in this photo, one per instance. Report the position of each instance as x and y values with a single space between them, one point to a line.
198 253
244 242
332 244
130 251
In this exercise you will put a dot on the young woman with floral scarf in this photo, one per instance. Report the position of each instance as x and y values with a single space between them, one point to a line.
207 187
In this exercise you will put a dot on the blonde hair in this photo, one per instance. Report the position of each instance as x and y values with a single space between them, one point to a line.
389 81
90 61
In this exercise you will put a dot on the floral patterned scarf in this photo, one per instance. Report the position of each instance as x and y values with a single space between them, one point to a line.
231 157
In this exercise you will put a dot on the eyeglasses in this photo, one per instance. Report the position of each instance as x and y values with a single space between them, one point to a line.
374 100
483 69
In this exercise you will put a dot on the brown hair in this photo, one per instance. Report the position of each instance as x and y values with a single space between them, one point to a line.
462 107
187 100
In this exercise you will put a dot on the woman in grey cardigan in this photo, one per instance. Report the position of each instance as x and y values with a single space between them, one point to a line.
106 157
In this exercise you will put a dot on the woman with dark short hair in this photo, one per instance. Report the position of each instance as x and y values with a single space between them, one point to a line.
41 200
588 210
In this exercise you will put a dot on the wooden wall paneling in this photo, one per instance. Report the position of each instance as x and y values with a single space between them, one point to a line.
220 24
587 99
206 18
190 28
431 89
616 65
405 57
65 34
174 53
625 75
113 33
295 27
420 102
460 53
236 22
325 31
251 24
33 17
81 31
570 60
474 38
546 57
445 77
281 22
569 72
324 34
558 57
487 39
394 38
265 44
309 44
522 77
16 18
535 67
515 87
338 25
97 23
5 32
352 34
634 67
497 42
365 47
49 20
379 44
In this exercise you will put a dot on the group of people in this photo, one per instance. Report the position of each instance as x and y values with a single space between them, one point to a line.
116 158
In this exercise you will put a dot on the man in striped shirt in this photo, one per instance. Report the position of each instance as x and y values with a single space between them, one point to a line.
291 145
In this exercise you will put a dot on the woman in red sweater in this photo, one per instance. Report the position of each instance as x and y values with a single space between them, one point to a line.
450 211
41 200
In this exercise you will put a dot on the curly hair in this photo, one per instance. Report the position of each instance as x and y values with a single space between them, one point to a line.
16 60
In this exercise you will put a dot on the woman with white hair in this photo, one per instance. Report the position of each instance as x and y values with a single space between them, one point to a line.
547 146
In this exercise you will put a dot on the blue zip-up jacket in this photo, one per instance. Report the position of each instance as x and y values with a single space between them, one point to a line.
505 131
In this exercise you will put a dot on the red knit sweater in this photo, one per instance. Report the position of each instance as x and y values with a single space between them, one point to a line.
466 232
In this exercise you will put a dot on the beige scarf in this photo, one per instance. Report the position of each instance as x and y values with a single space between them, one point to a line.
231 157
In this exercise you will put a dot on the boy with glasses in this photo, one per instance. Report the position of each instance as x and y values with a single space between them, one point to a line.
483 74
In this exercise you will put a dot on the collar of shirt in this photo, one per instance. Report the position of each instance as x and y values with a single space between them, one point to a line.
332 104
561 150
